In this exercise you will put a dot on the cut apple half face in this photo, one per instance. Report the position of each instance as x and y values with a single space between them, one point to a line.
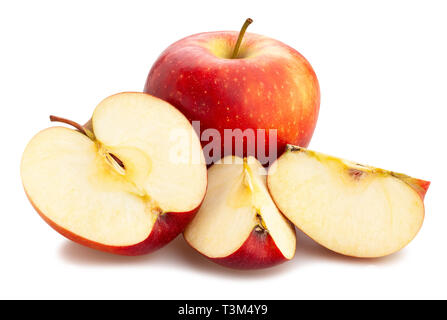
128 186
349 208
238 224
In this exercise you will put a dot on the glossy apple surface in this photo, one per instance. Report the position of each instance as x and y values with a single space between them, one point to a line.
269 85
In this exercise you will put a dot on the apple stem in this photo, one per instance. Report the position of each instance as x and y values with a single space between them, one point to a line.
73 124
239 38
90 135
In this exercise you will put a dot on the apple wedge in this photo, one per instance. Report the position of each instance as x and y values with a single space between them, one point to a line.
128 186
238 225
349 208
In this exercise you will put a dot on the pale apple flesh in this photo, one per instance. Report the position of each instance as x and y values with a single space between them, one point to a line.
352 209
238 224
128 188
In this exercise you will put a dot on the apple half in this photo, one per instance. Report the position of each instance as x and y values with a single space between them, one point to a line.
128 186
349 208
238 225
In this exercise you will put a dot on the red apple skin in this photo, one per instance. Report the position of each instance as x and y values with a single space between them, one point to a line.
167 227
272 87
259 251
423 187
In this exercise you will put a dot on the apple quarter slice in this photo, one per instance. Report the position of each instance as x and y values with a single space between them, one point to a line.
349 208
238 224
129 186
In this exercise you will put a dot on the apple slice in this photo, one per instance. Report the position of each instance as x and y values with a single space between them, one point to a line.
349 208
129 186
238 224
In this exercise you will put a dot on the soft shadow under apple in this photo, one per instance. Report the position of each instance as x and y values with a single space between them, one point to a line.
180 254
176 253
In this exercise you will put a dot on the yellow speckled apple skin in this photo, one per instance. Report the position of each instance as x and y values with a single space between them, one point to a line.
269 86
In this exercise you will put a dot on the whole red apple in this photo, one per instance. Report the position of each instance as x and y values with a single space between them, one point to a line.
227 80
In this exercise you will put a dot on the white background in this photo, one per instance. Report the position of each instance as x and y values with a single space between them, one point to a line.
382 68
